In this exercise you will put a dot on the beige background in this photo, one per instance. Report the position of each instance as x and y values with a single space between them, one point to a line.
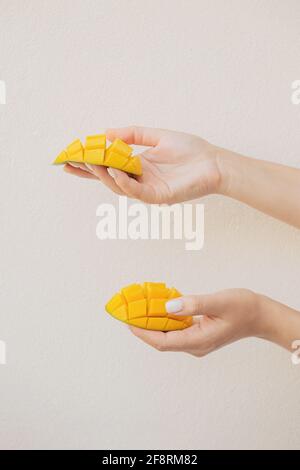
75 378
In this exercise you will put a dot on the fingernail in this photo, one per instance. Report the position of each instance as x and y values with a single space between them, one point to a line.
111 172
75 165
174 306
90 167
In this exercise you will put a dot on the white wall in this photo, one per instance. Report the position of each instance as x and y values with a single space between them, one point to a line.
75 378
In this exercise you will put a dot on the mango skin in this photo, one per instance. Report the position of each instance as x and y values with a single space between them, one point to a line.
117 155
143 305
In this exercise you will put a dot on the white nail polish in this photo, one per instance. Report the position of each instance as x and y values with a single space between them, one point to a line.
89 167
75 165
174 306
111 172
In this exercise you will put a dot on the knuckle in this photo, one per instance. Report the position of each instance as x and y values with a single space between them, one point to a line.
199 353
134 130
160 347
193 305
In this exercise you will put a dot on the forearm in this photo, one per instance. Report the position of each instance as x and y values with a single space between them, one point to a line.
278 323
271 188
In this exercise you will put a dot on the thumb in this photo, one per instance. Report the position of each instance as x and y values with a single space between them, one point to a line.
195 305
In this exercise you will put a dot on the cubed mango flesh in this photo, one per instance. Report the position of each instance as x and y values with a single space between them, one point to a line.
94 150
120 147
75 151
117 155
144 306
61 158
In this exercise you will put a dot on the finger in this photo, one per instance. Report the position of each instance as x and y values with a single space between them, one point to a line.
136 135
170 341
211 304
131 187
82 166
101 172
78 172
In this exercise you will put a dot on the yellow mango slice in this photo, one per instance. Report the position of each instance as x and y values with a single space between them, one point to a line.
174 324
115 302
117 155
97 141
94 150
75 151
115 160
139 322
137 309
156 307
155 290
133 292
144 306
122 313
120 147
133 166
61 158
174 293
157 324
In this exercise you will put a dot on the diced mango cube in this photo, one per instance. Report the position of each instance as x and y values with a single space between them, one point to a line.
139 322
115 160
94 151
174 324
173 293
157 307
95 141
75 151
115 302
155 290
133 166
137 309
94 156
157 324
120 147
61 158
188 321
121 313
133 292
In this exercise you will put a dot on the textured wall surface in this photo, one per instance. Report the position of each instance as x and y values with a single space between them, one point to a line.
74 377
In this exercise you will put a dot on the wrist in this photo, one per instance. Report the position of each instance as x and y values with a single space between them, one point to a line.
266 323
257 319
230 170
278 323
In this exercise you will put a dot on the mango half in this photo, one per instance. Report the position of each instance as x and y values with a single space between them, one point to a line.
117 155
143 305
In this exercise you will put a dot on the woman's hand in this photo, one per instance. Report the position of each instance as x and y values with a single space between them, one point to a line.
226 316
177 167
